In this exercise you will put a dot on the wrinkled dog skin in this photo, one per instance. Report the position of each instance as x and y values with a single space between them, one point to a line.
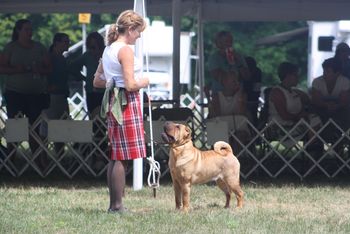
188 165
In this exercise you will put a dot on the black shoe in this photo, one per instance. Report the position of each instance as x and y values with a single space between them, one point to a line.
122 210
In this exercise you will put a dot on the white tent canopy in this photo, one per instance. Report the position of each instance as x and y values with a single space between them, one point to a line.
212 10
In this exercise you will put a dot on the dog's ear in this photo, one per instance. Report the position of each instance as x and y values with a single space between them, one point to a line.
189 132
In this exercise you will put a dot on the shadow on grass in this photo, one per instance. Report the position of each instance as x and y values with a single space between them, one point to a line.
316 179
80 181
83 181
85 211
88 211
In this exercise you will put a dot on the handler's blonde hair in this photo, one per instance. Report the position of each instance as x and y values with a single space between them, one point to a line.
127 19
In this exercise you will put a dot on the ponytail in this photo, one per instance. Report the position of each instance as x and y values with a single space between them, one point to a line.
112 34
127 19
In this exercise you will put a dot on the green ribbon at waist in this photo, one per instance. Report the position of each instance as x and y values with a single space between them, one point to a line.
120 100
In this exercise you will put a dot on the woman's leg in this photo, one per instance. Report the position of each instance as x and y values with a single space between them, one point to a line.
117 185
109 181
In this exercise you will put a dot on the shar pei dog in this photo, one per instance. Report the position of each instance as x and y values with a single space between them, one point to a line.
189 165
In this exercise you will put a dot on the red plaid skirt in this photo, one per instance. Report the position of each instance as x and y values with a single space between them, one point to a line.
127 141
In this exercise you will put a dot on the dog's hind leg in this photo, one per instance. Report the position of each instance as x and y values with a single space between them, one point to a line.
223 186
239 195
236 188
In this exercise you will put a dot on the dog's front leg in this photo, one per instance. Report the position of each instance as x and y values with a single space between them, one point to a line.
178 196
186 189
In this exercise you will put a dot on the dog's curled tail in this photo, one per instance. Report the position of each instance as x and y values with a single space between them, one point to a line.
222 148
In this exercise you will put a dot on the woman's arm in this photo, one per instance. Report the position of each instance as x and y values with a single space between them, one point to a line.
126 58
6 68
99 82
344 99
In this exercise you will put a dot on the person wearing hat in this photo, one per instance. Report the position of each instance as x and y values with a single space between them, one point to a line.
342 54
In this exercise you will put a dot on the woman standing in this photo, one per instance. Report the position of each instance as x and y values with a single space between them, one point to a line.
58 78
26 64
122 73
95 45
57 83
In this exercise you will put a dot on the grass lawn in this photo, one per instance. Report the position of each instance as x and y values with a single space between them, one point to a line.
79 206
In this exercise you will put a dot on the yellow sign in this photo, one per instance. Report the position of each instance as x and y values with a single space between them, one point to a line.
84 18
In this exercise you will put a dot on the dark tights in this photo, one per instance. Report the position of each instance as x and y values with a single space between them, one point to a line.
116 183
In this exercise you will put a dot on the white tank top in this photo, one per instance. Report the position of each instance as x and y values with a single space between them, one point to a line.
342 84
229 104
293 105
112 67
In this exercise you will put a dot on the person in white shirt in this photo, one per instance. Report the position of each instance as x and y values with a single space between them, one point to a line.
122 73
288 105
230 105
330 94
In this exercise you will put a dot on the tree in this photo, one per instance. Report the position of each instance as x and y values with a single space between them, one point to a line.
46 25
268 57
245 35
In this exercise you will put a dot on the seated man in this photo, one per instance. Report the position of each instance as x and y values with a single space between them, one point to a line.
230 105
288 105
330 94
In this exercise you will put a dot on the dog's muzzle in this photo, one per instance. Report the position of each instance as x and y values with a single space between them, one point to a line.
167 138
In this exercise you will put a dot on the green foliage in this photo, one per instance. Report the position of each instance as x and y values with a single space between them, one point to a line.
46 25
245 35
268 57
6 26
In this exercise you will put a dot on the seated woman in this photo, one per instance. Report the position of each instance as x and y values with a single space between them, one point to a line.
230 105
330 94
288 105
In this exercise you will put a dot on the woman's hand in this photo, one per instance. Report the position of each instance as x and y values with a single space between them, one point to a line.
143 82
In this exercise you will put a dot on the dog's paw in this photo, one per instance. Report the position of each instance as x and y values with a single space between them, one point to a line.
185 210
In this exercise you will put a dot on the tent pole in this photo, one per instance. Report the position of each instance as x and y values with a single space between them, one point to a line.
176 21
201 60
139 7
